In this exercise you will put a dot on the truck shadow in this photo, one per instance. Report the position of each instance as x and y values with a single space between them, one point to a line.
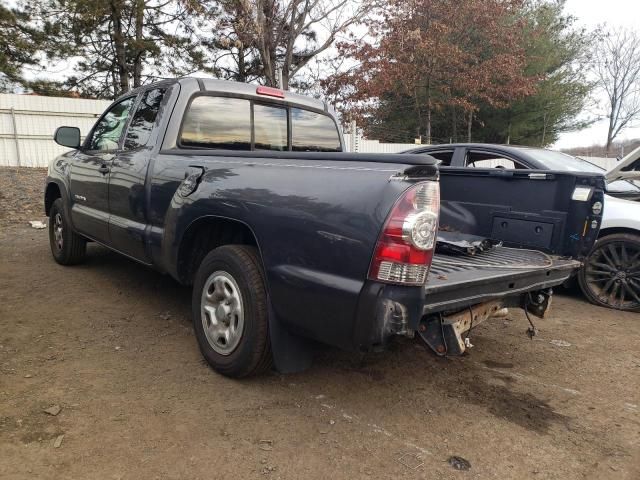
504 395
150 287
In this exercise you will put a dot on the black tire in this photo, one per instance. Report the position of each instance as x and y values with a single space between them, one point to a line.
237 268
67 247
610 276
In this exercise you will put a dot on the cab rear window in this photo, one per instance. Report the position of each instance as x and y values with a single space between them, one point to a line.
270 128
313 132
217 122
240 124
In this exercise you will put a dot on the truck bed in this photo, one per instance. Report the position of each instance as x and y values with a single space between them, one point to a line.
457 281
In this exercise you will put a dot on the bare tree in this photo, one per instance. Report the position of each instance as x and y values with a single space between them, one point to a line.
288 34
617 69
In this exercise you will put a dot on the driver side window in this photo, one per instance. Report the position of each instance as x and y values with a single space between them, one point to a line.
107 133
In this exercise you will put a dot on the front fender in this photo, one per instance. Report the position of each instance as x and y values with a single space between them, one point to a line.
58 173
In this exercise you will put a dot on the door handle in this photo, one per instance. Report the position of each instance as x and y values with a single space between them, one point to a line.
104 169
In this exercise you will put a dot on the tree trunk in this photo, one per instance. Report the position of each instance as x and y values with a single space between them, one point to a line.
429 111
454 122
242 66
139 52
609 137
288 55
119 47
418 112
469 122
264 27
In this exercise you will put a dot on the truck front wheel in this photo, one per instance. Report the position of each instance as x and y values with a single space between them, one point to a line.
67 247
229 310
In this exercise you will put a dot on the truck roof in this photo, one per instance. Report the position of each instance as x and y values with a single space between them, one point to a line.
239 88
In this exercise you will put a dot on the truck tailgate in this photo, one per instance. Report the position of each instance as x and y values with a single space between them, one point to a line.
457 281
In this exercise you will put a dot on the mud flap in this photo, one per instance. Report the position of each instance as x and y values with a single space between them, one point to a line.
291 353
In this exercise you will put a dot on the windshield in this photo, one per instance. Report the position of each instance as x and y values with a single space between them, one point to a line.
562 162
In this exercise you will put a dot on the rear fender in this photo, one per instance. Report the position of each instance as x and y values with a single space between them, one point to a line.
291 353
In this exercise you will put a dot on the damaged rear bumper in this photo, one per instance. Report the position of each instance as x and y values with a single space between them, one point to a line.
445 302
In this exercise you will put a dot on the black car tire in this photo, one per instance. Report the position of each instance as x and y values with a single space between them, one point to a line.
610 276
240 272
67 247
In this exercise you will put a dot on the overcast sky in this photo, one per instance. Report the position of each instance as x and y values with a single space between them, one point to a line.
591 13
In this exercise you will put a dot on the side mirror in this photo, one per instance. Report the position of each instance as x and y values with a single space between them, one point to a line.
67 137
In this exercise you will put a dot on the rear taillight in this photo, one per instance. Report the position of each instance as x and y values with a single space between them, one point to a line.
405 248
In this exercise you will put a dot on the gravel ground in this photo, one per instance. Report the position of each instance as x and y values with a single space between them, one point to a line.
109 344
21 197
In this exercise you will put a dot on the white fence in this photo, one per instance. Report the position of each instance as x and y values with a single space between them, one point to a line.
603 162
356 143
27 123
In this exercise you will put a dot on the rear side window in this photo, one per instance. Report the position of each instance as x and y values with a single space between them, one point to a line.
270 128
217 122
444 158
143 120
313 132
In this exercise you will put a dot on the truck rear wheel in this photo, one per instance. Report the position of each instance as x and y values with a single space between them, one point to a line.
611 273
67 247
229 310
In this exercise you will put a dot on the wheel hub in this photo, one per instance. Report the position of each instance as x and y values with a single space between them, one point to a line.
222 312
57 231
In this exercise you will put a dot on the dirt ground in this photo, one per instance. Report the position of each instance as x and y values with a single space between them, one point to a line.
110 343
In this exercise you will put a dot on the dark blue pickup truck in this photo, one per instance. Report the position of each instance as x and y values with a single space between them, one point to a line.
245 193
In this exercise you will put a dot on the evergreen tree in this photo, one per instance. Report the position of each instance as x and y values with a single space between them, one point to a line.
557 55
120 44
19 42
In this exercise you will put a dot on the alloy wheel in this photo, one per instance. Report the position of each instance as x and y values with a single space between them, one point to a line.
612 273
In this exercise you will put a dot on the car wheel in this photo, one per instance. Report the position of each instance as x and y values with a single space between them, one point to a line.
610 276
229 310
67 247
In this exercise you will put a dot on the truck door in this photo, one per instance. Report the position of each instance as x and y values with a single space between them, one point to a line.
89 175
127 193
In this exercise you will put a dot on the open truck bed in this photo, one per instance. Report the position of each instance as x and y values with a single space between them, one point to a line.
545 223
491 275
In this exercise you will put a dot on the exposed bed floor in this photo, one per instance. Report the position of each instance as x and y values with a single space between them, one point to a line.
490 274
